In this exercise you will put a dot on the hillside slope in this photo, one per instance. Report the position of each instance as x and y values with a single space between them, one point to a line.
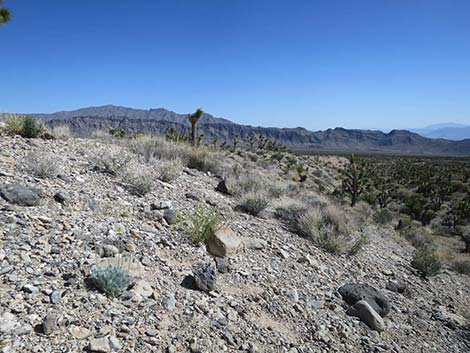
279 294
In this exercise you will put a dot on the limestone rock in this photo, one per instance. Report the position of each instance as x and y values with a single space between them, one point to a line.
367 314
224 243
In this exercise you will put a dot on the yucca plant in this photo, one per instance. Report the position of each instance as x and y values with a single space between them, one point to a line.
193 119
202 224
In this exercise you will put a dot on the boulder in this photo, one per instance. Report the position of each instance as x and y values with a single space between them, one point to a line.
222 188
224 243
367 314
205 277
352 293
20 195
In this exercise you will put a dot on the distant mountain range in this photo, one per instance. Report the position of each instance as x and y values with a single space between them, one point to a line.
449 131
86 120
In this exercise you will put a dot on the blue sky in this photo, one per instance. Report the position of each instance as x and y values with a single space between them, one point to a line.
317 64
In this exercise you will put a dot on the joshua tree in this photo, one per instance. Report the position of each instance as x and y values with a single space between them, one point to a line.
235 140
4 14
353 182
193 119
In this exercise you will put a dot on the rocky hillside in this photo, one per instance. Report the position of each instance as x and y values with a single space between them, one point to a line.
269 289
87 120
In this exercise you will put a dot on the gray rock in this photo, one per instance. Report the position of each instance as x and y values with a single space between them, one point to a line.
367 314
221 265
205 277
108 250
100 345
8 323
169 302
396 286
254 243
170 216
293 295
352 293
49 324
56 296
114 343
61 197
20 195
29 288
162 205
23 330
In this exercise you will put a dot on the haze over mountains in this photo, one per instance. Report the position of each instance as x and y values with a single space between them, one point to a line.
86 120
449 131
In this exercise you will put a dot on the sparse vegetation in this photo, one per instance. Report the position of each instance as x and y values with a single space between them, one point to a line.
426 261
112 163
23 125
110 280
137 181
41 165
202 224
254 203
462 267
169 170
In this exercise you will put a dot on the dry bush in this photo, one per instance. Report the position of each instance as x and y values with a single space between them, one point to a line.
23 125
61 132
138 180
170 169
111 162
41 165
289 210
156 147
204 161
254 203
326 227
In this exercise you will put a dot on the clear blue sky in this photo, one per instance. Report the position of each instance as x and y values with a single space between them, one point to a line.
318 64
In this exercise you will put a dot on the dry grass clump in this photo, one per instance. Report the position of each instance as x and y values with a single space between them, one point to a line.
170 169
200 159
41 165
326 227
138 180
61 132
426 261
462 267
157 148
254 203
289 210
111 162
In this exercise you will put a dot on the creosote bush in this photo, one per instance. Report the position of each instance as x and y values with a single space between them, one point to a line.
426 261
110 280
202 224
41 165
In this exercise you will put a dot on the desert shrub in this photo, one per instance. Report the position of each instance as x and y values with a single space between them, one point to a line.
41 165
157 148
289 210
170 169
276 189
110 280
112 162
383 216
426 261
23 125
465 234
137 181
462 267
326 227
359 244
201 160
202 224
61 132
254 203
417 236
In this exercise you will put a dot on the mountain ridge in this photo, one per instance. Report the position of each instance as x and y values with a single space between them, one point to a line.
86 120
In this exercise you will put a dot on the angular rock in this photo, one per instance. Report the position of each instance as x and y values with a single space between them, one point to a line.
205 277
8 323
143 288
61 197
169 303
49 324
170 216
352 293
80 333
254 243
367 314
20 195
224 242
221 265
100 345
222 188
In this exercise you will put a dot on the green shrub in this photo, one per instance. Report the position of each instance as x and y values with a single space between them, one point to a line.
383 216
254 203
202 224
24 125
426 261
462 267
110 280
